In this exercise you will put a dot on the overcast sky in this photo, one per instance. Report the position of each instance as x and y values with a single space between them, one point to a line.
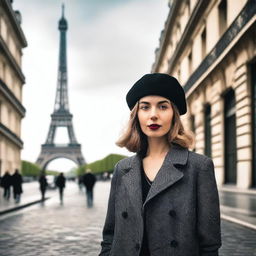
110 45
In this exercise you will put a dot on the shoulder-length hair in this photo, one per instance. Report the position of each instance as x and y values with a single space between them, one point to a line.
136 141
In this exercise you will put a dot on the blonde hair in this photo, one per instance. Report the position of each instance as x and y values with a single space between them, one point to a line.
136 141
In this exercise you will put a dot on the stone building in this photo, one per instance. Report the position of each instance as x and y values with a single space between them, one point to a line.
210 46
12 40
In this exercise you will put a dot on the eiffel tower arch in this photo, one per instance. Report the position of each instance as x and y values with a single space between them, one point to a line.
61 116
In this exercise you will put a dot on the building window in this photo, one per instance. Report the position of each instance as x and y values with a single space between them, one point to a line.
230 137
188 6
178 73
207 131
193 127
203 42
190 69
253 87
222 16
1 111
178 32
9 118
4 72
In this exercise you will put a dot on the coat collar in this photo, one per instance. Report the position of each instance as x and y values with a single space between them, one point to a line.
168 174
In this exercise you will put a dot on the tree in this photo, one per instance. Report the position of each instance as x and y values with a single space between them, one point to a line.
29 169
106 164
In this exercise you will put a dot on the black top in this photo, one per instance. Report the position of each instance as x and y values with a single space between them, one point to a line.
145 186
89 180
60 181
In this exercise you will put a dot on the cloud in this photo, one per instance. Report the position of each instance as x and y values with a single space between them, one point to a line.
119 44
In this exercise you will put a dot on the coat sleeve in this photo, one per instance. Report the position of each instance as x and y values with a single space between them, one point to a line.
208 211
109 226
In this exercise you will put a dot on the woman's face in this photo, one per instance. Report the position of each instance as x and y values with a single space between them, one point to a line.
155 115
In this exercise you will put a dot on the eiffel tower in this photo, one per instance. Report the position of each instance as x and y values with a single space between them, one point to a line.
61 116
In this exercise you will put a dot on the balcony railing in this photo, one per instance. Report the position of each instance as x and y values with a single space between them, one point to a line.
239 23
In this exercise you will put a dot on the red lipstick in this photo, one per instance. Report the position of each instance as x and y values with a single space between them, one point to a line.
154 126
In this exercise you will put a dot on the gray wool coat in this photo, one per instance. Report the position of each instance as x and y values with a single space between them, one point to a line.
181 209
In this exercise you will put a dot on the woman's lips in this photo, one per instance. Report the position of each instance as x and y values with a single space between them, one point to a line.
154 126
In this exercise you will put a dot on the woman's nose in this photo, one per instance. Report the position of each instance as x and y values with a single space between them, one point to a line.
154 118
153 114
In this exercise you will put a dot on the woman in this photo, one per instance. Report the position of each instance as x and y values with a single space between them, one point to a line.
164 200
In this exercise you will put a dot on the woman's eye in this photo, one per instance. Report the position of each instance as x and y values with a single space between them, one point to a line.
163 107
144 107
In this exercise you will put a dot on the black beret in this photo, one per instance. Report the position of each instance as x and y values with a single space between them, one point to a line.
158 84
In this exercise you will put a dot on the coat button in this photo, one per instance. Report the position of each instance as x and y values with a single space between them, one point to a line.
174 243
172 213
125 215
137 247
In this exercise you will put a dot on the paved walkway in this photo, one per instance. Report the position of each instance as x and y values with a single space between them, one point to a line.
31 195
54 229
51 229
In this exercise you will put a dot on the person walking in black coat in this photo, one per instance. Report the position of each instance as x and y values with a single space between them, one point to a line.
17 185
6 184
60 183
89 180
43 184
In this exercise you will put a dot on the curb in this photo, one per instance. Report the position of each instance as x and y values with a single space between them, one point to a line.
237 210
237 221
237 191
22 206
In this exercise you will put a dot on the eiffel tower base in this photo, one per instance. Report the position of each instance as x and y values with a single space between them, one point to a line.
50 152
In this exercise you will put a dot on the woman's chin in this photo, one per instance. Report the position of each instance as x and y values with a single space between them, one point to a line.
155 135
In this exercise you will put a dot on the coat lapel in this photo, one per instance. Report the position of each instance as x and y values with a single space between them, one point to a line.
132 182
168 174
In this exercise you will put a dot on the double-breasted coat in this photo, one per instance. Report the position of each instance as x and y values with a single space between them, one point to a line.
181 209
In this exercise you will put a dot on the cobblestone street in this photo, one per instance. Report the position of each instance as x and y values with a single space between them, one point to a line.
53 229
73 229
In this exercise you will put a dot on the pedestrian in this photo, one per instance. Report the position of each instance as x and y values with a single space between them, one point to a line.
6 184
60 183
89 180
43 184
80 182
17 185
164 200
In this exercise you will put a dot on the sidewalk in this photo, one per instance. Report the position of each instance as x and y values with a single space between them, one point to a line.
238 207
31 195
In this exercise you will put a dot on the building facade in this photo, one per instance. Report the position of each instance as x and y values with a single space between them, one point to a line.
12 41
210 46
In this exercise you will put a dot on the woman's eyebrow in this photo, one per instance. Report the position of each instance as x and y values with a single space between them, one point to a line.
163 101
160 102
144 102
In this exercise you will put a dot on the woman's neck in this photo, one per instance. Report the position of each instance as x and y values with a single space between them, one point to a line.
157 147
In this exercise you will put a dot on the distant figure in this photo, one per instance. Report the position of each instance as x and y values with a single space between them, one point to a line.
89 180
105 176
80 182
60 183
43 184
17 185
6 184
